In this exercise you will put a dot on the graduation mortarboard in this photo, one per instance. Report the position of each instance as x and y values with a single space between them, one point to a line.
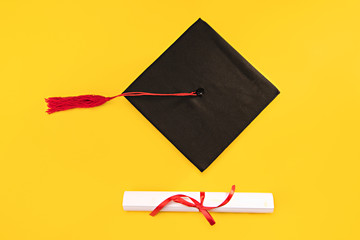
200 94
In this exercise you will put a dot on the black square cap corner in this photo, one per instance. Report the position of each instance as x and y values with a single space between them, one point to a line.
234 94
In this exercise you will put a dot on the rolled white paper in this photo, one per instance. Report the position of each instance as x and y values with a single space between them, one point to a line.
240 202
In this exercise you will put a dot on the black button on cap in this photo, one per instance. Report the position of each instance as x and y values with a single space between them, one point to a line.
200 91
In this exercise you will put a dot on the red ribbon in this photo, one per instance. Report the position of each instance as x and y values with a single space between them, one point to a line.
179 198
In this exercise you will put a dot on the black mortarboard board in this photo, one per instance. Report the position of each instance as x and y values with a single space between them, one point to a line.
234 94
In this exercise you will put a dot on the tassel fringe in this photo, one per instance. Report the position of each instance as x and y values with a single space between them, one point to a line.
57 104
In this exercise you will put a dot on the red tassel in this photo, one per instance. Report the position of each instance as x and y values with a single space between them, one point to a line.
56 104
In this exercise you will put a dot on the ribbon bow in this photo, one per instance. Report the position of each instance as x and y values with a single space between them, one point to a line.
179 198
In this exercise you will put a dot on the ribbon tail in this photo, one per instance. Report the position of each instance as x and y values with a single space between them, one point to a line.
160 206
164 203
208 216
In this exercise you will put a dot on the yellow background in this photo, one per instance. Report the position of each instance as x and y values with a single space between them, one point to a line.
62 176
